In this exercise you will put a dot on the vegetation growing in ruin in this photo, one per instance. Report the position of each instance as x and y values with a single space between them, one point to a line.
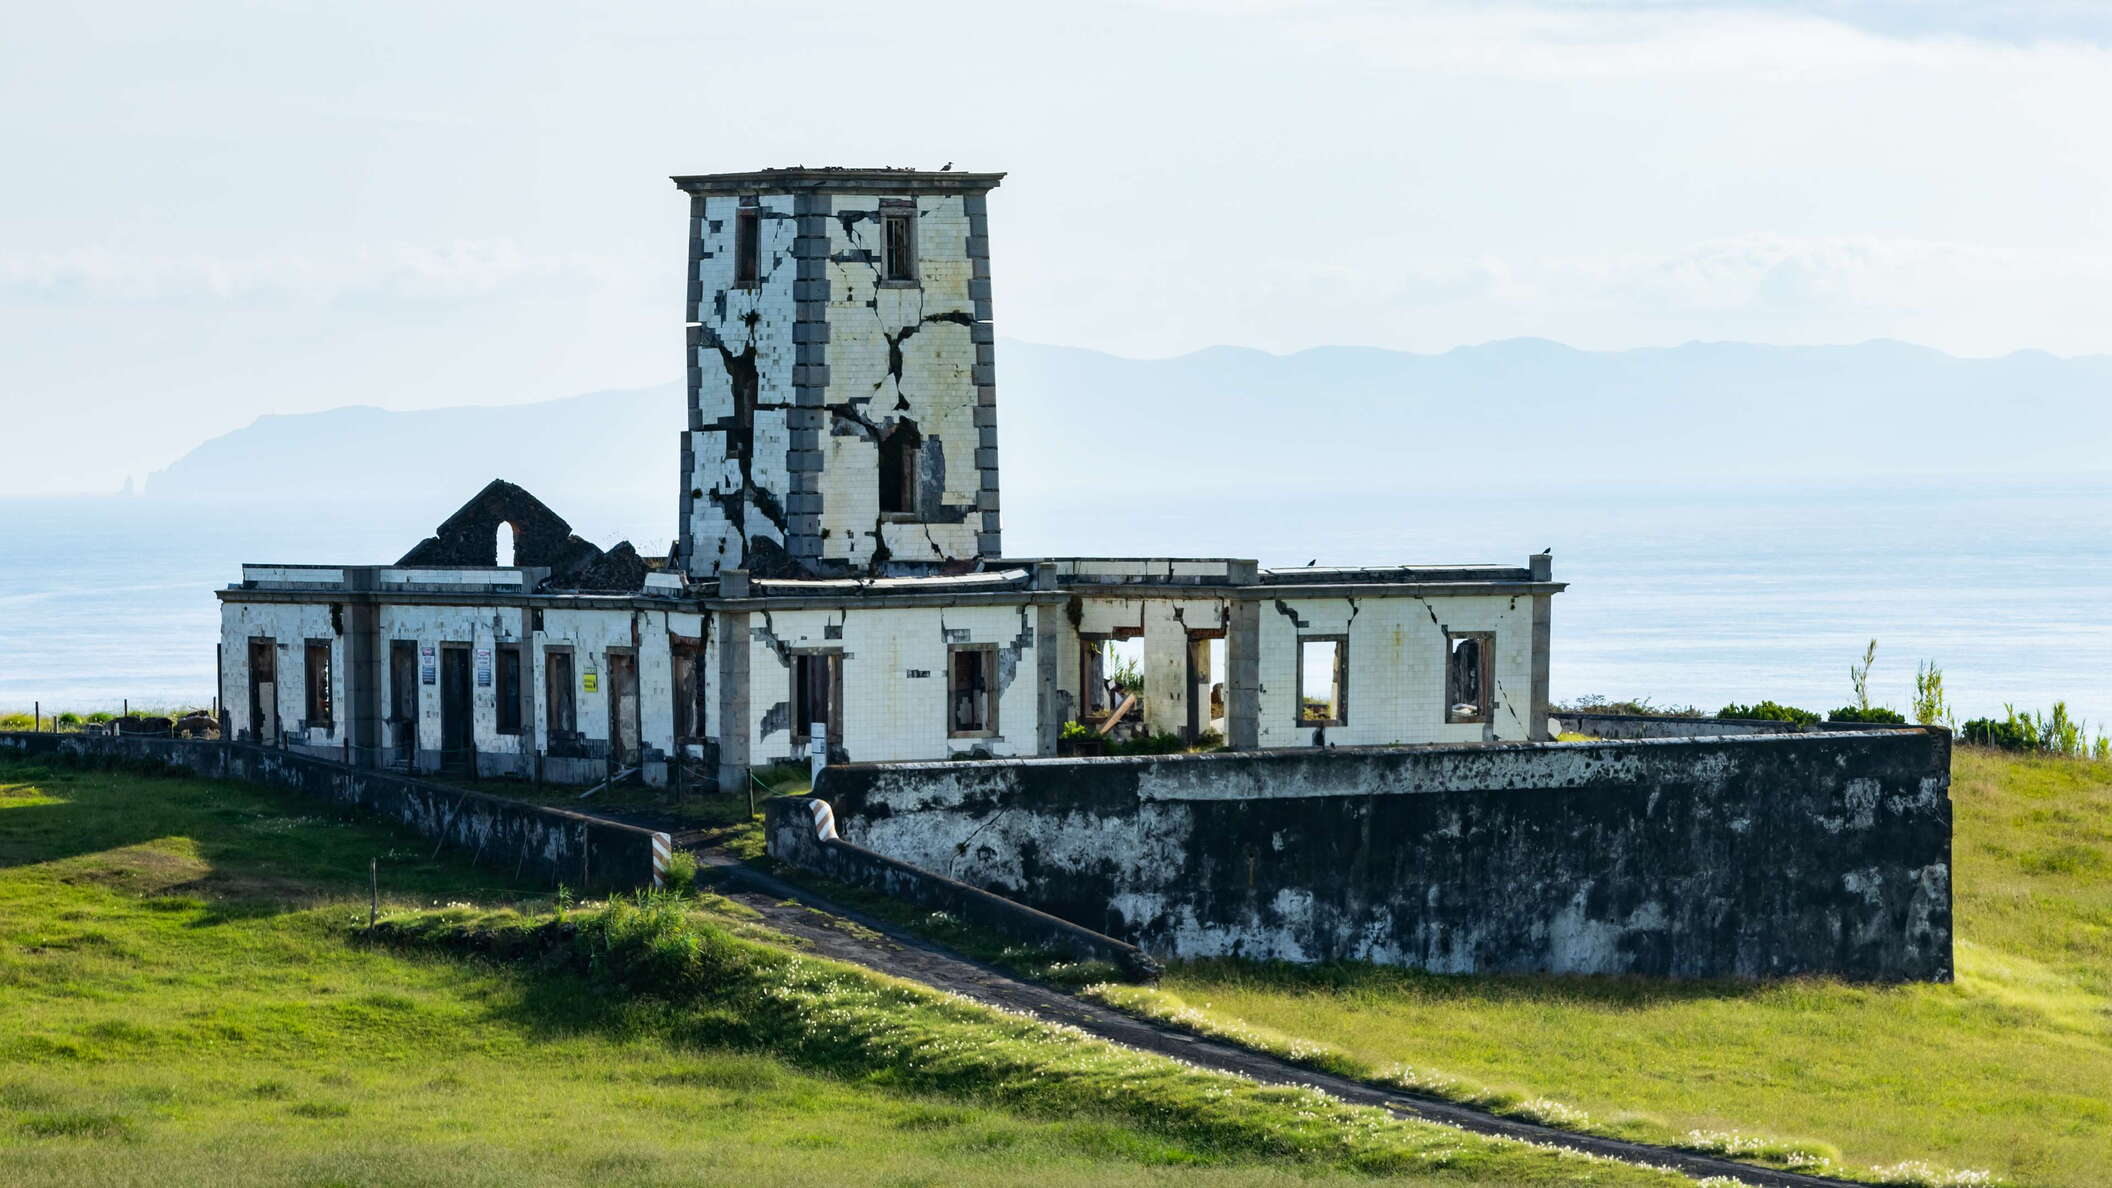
2008 1070
185 999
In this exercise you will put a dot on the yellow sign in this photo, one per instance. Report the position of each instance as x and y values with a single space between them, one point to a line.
590 681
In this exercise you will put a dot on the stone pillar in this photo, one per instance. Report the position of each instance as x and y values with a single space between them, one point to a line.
1048 672
1543 570
363 670
729 637
1243 678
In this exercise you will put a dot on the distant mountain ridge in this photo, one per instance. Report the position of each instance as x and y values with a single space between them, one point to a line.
1520 413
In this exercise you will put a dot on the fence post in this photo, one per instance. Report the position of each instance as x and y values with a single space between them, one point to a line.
374 877
36 718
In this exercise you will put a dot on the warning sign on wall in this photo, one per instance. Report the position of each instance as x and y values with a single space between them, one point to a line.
428 664
590 680
484 668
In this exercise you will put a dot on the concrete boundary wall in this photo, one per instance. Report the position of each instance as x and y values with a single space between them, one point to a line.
546 844
1619 726
796 834
1756 855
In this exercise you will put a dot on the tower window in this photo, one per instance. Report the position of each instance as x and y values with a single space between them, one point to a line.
899 245
748 246
898 469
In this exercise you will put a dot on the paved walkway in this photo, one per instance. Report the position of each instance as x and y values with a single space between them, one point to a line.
821 924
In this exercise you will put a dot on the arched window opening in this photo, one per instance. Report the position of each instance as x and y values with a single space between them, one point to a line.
508 540
898 469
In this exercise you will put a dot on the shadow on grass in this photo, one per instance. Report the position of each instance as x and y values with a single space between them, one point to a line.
264 851
1352 980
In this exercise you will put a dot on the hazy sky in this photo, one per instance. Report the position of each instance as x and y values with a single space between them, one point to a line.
217 210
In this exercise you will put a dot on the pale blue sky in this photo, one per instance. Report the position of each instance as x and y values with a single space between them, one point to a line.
220 210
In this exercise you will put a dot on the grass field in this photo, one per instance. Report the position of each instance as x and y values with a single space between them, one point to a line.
2009 1070
185 998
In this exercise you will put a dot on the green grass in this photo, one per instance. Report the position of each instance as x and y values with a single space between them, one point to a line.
186 998
2009 1070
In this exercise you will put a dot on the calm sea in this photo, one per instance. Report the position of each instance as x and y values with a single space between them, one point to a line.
1682 596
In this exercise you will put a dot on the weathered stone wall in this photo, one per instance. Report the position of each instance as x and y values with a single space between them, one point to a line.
797 836
549 845
1751 856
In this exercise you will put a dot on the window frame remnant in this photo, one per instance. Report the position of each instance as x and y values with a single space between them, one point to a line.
320 709
971 690
748 246
508 684
560 685
901 458
898 244
1338 693
1483 670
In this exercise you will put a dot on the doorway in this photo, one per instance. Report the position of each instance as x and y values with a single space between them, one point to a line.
817 696
403 699
264 691
457 727
623 708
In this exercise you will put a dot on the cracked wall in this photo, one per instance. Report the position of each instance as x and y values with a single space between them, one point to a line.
894 674
839 355
1396 667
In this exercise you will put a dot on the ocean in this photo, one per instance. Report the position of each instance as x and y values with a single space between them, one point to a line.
1683 596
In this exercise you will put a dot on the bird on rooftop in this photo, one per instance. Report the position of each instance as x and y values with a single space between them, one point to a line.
947 167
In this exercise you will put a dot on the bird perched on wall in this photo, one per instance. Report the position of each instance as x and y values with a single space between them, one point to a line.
946 168
1313 562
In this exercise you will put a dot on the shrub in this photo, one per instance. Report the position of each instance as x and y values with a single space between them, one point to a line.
1931 706
1075 730
681 871
1162 743
2010 734
1875 714
1768 711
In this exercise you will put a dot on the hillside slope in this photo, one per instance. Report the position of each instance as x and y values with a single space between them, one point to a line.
1524 411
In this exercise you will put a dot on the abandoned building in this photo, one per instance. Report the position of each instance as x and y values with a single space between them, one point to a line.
838 581
839 566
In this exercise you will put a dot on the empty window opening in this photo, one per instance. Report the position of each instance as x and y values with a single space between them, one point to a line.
1468 675
1112 668
748 246
1206 686
814 686
1321 683
563 718
899 245
899 455
970 691
503 548
319 684
509 682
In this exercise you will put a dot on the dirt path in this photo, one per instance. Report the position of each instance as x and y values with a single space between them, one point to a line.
827 928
